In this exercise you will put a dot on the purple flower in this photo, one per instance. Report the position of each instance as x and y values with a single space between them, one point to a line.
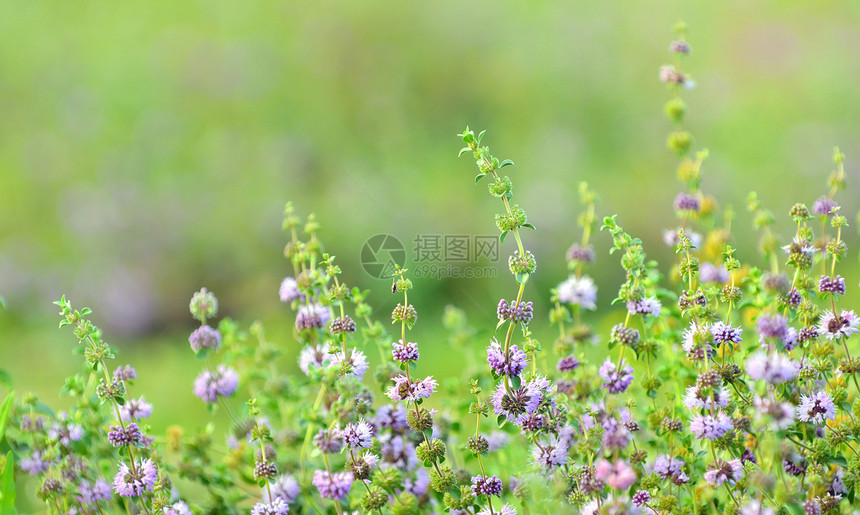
670 238
579 291
583 255
669 74
517 405
506 509
567 363
710 427
687 202
697 342
650 306
65 432
210 385
314 316
834 327
792 468
551 454
812 507
289 290
177 508
695 399
794 297
710 273
724 471
418 486
285 488
135 409
782 413
358 435
774 368
483 485
670 468
401 389
616 379
404 389
823 206
330 440
641 498
511 364
391 416
724 333
424 389
132 484
772 327
497 440
617 475
276 507
522 312
835 285
405 352
92 493
357 366
398 451
332 486
807 333
313 356
35 464
754 507
791 337
816 408
615 436
126 373
129 435
205 337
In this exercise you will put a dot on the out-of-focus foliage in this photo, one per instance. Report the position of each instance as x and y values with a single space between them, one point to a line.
147 149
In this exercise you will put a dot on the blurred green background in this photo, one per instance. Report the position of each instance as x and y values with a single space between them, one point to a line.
147 149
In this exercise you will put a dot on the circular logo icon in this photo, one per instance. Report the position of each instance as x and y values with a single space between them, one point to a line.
380 254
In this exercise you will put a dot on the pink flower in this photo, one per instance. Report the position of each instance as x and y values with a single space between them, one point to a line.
617 475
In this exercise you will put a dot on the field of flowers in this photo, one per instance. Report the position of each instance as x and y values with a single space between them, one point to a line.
729 386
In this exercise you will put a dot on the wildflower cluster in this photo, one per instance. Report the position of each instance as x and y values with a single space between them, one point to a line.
707 385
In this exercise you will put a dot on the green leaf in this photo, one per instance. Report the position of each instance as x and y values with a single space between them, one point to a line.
2 303
503 236
506 162
501 322
463 151
5 379
479 177
522 278
516 382
7 486
838 460
501 420
5 409
530 226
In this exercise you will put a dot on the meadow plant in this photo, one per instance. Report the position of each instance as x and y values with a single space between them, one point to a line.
728 386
